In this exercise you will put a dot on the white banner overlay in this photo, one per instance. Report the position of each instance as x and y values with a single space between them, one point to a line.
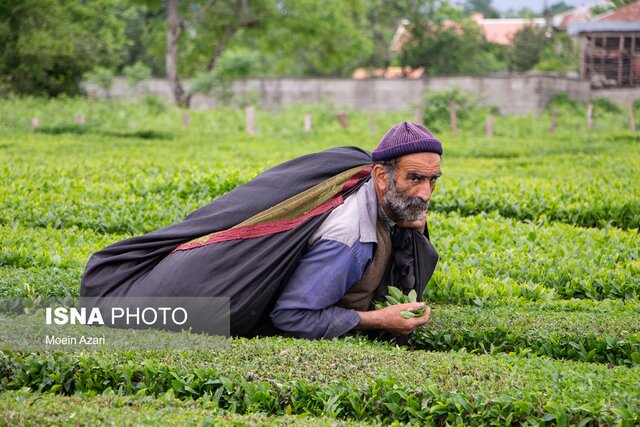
114 323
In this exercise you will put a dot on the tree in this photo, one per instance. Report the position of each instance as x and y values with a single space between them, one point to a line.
522 13
561 55
381 20
136 73
101 77
443 42
480 6
47 45
202 35
145 31
300 36
613 5
315 38
557 8
528 44
620 3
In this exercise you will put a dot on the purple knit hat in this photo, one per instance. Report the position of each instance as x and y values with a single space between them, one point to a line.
406 138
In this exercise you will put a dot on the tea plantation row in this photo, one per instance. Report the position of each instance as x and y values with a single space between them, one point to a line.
136 197
349 379
27 408
483 258
538 238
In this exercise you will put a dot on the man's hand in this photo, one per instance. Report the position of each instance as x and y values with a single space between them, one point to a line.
418 225
390 318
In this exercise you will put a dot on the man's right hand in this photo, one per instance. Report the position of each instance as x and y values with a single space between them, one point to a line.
390 318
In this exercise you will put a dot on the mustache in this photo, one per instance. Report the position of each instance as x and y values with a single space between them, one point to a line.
409 208
416 203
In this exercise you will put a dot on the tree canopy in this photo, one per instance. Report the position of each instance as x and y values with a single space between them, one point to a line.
47 46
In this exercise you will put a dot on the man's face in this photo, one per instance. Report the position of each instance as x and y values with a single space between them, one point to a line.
408 190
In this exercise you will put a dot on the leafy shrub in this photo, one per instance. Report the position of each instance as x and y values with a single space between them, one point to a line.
606 105
580 335
136 73
562 101
346 381
561 55
154 105
101 77
436 111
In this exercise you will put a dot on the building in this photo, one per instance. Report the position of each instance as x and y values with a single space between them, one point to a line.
610 48
578 15
501 31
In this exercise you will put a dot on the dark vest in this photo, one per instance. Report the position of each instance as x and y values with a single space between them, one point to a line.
361 294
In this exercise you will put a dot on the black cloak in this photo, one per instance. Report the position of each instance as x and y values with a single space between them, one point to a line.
248 264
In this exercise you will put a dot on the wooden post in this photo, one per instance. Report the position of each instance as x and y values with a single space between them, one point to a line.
35 123
633 78
342 118
632 119
590 116
307 123
418 116
489 127
250 120
592 61
454 116
620 59
185 119
372 125
554 120
79 119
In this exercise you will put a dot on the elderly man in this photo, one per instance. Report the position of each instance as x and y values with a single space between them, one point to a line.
303 249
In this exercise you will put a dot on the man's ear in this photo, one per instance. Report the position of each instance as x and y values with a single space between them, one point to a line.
380 177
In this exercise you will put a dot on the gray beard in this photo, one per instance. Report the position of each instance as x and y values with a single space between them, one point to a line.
403 207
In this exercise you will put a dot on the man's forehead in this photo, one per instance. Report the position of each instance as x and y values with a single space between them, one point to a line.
420 162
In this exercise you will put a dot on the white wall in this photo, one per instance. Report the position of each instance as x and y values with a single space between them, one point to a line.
511 94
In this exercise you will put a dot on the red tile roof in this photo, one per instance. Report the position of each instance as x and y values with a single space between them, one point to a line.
628 13
575 16
389 73
501 31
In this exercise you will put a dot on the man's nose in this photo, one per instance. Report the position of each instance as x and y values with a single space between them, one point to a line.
424 192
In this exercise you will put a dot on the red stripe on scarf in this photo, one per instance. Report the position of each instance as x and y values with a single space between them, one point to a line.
260 230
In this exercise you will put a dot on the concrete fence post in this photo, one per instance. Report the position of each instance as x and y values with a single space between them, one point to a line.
372 125
342 118
453 116
185 119
590 116
489 126
418 116
632 119
250 120
35 123
308 124
554 120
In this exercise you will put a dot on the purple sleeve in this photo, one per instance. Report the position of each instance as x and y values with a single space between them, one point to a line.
306 307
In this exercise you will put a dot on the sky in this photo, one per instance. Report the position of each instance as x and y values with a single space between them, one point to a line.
535 5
